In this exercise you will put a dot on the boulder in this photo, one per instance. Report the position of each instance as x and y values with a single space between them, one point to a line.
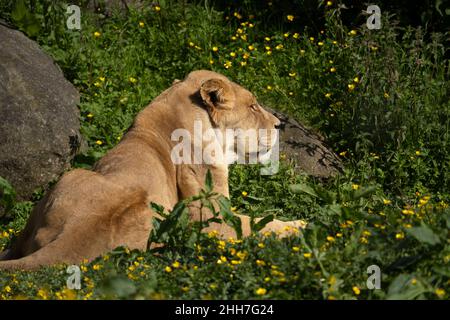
305 149
39 118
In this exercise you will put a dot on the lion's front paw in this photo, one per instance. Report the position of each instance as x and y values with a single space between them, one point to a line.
284 228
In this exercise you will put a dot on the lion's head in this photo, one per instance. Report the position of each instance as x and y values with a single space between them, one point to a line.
231 106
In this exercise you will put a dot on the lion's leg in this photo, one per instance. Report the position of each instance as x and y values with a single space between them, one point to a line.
192 182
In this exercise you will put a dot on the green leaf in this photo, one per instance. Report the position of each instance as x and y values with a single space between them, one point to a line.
118 286
364 192
19 11
208 182
424 234
228 215
401 288
262 223
299 188
7 195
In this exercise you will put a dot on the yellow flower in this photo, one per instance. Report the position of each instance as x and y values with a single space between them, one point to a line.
185 289
327 95
279 47
296 249
246 56
292 74
439 292
157 8
355 186
307 255
339 235
228 64
386 201
213 286
290 17
102 79
261 245
399 235
176 264
243 63
215 49
311 38
42 294
235 262
211 61
97 34
269 87
352 32
286 35
417 152
132 80
232 54
329 3
343 153
244 193
261 291
96 267
141 24
260 263
351 87
332 69
356 290
212 234
251 48
296 35
320 43
168 269
99 142
386 95
356 79
330 239
407 211
7 289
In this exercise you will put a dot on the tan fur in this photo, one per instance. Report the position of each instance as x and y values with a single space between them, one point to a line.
88 213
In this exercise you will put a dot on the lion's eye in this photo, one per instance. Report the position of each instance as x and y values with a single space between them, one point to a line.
254 107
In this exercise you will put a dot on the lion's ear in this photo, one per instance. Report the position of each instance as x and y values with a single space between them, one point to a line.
217 94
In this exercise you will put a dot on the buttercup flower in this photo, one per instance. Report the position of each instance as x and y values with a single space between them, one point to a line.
261 291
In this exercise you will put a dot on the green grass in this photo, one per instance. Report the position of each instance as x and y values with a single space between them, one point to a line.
380 97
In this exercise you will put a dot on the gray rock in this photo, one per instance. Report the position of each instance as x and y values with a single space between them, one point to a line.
306 149
39 118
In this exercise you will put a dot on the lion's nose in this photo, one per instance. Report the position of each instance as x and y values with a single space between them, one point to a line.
276 121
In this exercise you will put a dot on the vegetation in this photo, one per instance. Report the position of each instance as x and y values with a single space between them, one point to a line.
380 97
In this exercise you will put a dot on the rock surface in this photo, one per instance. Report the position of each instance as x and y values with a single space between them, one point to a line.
39 118
306 149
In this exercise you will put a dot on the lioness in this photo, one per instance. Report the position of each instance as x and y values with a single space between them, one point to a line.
89 213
